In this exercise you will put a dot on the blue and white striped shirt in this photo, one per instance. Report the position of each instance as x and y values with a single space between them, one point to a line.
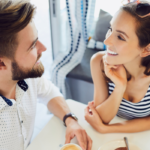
129 110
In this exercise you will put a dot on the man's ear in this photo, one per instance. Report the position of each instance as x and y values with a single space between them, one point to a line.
2 64
146 51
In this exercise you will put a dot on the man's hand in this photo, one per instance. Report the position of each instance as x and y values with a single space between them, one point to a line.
74 129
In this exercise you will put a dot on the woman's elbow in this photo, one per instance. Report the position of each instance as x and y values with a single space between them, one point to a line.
104 119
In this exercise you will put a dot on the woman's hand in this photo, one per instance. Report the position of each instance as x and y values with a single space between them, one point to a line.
116 73
92 117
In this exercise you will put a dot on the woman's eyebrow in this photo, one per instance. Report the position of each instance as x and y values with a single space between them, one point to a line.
123 33
120 31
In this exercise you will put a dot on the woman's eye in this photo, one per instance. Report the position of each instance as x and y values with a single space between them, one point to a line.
120 38
110 30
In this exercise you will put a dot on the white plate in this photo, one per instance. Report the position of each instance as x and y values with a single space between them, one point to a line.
115 144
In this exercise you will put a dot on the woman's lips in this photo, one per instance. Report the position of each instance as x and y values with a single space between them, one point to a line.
111 54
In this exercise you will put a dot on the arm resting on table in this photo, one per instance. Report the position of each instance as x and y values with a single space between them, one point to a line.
130 126
109 108
59 108
106 106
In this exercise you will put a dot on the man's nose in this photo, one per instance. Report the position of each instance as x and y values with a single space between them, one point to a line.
42 48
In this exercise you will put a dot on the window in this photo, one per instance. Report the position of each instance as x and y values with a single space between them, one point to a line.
42 22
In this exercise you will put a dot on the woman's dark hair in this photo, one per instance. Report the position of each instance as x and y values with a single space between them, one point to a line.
142 32
14 16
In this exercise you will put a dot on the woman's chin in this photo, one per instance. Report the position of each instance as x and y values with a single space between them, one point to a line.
111 62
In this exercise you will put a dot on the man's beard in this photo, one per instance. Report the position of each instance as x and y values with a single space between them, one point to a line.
20 74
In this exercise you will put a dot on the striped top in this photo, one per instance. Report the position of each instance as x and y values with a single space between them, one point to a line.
129 110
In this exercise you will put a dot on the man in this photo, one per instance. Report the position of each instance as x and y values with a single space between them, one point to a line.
21 82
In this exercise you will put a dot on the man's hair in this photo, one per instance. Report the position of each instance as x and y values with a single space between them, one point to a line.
14 16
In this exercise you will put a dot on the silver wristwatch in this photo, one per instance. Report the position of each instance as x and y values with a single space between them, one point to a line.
69 115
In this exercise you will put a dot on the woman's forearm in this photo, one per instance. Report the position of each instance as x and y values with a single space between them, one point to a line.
130 126
109 108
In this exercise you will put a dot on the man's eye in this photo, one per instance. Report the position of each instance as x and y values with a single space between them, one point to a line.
33 46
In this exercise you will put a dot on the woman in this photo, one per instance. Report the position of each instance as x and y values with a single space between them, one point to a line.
121 75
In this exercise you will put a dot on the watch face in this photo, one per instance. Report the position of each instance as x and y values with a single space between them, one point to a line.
74 117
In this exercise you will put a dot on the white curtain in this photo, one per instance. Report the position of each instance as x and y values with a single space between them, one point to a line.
80 18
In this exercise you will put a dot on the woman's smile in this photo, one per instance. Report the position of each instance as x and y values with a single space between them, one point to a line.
111 53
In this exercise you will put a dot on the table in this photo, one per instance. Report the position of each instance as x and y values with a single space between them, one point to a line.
53 135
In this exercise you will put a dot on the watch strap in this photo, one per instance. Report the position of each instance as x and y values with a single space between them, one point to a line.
69 115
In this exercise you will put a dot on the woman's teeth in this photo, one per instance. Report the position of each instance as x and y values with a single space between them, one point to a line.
111 52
